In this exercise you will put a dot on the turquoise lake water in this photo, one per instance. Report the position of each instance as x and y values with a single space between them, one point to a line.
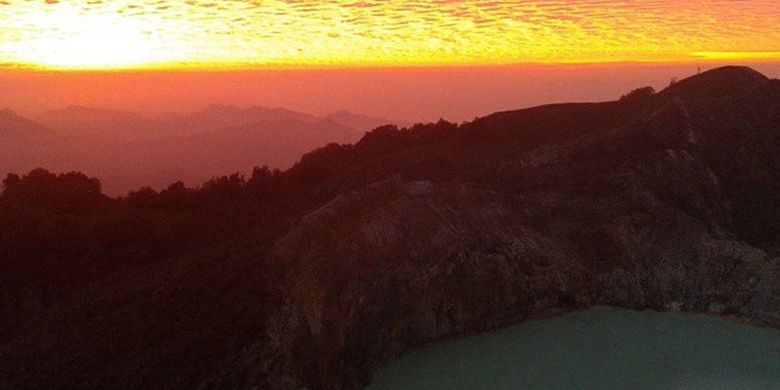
598 349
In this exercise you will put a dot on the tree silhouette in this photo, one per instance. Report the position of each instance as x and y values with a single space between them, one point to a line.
71 192
638 94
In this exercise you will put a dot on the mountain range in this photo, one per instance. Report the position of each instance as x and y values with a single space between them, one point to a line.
14 125
316 276
128 150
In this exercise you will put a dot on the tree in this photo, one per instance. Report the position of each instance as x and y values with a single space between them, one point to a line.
11 181
223 188
638 94
71 192
143 198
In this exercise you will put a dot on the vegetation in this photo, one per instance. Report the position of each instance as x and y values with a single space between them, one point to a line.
638 94
59 233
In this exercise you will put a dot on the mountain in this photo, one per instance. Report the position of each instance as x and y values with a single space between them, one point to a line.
14 125
127 149
126 165
111 123
218 116
19 137
718 82
316 276
90 121
278 144
81 121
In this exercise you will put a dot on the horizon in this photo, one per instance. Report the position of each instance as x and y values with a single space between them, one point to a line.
408 62
407 95
222 124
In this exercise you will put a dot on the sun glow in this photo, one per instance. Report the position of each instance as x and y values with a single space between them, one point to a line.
122 34
74 39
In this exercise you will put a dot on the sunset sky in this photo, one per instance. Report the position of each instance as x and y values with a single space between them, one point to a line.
70 44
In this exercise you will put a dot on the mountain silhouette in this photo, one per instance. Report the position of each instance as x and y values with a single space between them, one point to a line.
316 276
112 123
716 83
128 150
14 125
218 116
79 121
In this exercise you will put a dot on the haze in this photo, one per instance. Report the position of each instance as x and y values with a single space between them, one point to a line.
408 61
403 94
150 92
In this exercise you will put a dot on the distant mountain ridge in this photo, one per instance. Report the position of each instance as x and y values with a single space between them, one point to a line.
128 149
15 125
218 116
79 121
91 121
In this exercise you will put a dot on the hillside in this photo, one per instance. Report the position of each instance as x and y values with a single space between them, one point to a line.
316 276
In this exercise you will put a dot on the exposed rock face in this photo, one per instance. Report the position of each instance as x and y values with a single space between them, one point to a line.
671 203
648 214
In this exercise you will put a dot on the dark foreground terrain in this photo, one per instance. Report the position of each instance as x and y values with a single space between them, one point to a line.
316 276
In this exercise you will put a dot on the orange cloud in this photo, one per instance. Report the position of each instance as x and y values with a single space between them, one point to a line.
128 34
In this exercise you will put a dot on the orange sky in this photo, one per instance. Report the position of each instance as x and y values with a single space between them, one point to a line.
411 94
406 60
102 34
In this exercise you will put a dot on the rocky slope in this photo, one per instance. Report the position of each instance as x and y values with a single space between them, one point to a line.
648 212
668 201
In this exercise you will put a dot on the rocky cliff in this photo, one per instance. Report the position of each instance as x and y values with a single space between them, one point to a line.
673 206
667 202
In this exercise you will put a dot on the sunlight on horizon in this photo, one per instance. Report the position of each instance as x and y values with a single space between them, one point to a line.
201 34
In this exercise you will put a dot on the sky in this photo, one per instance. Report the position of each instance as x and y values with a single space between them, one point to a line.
410 60
158 33
403 94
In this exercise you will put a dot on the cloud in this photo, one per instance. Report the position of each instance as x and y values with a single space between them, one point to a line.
366 32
